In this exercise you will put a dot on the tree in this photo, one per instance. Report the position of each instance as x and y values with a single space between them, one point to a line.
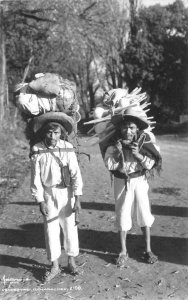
87 39
3 78
67 37
21 37
156 54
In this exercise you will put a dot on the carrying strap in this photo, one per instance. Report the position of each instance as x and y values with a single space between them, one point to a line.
48 150
141 140
58 160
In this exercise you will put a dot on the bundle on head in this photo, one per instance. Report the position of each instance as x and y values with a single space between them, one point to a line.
53 85
114 104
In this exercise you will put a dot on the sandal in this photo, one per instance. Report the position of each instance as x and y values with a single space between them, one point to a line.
150 258
73 270
121 260
51 274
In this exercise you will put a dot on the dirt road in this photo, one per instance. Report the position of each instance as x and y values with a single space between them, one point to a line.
23 258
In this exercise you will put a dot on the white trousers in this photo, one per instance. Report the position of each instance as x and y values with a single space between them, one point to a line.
59 203
136 195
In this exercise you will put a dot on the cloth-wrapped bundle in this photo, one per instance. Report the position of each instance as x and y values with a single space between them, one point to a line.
48 92
47 83
53 84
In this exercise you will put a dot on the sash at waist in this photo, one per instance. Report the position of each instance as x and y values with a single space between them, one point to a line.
129 176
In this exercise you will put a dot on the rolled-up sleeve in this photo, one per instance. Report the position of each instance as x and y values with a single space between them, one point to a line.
37 189
147 163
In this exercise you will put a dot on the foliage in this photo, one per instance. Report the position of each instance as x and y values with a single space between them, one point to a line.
155 57
65 37
88 41
26 35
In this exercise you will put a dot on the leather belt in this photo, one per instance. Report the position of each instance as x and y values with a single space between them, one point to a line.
129 176
136 174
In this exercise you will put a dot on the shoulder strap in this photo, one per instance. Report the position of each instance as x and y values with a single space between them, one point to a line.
39 151
58 160
141 140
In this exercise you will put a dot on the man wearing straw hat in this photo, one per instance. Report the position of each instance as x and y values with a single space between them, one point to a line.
130 159
56 185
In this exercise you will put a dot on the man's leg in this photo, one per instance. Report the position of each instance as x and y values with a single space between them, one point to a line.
71 243
123 240
144 217
147 238
52 235
70 233
149 257
53 246
124 199
55 270
122 258
55 264
71 262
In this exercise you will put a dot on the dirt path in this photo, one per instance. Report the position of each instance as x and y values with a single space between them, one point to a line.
23 258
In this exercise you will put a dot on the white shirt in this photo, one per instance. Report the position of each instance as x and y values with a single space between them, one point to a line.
130 165
46 172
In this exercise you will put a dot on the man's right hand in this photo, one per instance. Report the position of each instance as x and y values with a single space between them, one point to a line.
43 208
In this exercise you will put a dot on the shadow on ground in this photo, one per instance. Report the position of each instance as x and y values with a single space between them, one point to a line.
175 211
170 211
169 249
167 191
27 264
29 235
98 206
23 203
156 209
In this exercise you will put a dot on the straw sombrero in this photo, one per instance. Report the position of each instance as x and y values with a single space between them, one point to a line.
132 114
58 117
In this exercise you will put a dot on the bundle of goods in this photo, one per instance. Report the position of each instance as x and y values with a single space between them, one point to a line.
114 103
48 94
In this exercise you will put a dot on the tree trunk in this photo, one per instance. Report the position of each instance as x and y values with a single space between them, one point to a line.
2 69
91 96
133 8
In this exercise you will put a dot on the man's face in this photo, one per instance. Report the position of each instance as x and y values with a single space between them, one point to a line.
53 136
129 131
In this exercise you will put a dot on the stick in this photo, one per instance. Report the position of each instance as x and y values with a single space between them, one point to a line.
98 120
27 68
92 129
20 85
147 110
107 136
145 105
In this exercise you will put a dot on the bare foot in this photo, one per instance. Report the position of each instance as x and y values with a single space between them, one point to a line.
72 267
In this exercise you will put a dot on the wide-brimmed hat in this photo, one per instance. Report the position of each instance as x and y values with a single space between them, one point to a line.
57 117
132 114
